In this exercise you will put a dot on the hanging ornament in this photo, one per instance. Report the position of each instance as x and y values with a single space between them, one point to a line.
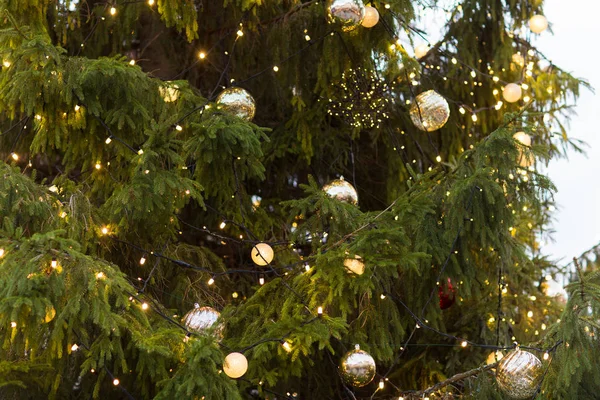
523 138
358 367
169 92
421 51
235 365
430 111
262 254
202 319
341 190
519 374
239 102
512 92
447 294
538 24
525 157
371 17
360 98
355 265
349 13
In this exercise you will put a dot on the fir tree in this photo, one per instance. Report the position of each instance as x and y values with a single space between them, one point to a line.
128 194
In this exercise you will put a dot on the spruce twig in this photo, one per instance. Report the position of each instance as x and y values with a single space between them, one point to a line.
454 379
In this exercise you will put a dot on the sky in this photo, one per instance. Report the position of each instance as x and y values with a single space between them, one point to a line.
570 45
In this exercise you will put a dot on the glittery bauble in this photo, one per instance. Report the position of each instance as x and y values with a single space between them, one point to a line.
430 111
538 23
355 265
349 13
238 101
512 92
201 319
342 191
262 254
358 367
235 365
519 374
447 294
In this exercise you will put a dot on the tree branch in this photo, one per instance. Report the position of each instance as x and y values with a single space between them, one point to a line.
455 378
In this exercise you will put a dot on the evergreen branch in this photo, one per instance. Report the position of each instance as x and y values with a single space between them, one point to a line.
456 378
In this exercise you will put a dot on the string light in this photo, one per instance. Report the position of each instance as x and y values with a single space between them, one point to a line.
202 55
142 260
132 62
15 156
113 11
546 356
1 253
320 310
381 384
116 382
98 165
211 281
104 230
223 225
100 275
13 324
144 306
261 280
286 346
150 2
276 68
108 140
74 347
464 343
54 263
240 33
77 107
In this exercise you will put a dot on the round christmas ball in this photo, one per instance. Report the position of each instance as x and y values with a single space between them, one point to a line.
235 365
262 254
349 13
421 50
371 17
519 374
201 319
430 111
341 190
355 265
512 92
523 138
538 24
357 367
239 102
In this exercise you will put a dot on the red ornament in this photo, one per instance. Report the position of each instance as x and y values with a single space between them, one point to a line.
447 295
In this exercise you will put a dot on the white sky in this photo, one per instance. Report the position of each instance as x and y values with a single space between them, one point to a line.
573 48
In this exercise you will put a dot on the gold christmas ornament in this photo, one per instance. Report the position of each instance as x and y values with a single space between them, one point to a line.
201 319
239 102
349 13
512 92
519 374
262 254
341 190
355 265
235 365
371 17
430 111
538 24
421 50
169 92
357 367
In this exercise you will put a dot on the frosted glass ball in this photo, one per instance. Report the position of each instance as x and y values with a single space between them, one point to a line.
512 92
538 23
262 254
421 50
371 17
522 137
235 365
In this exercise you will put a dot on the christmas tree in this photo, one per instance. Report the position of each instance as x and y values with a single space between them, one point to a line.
221 199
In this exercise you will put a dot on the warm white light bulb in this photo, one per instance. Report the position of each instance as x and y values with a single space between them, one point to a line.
262 254
421 50
512 92
538 24
235 365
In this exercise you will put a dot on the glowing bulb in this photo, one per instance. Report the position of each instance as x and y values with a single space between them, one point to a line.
287 346
240 33
15 156
140 152
1 253
116 382
223 224
150 2
530 314
262 254
54 263
142 260
98 165
100 275
235 365
261 280
202 55
178 128
144 306
381 384
74 347
320 310
276 68
113 11
77 107
421 50
463 343
211 281
546 356
13 324
108 140
104 230
6 63
234 295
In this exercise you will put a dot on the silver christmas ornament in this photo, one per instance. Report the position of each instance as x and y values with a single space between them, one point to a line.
430 111
519 374
349 13
239 102
358 367
201 319
341 190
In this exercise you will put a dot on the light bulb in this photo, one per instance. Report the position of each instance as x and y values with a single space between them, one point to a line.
235 365
262 254
421 50
512 92
371 17
142 260
54 263
538 24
